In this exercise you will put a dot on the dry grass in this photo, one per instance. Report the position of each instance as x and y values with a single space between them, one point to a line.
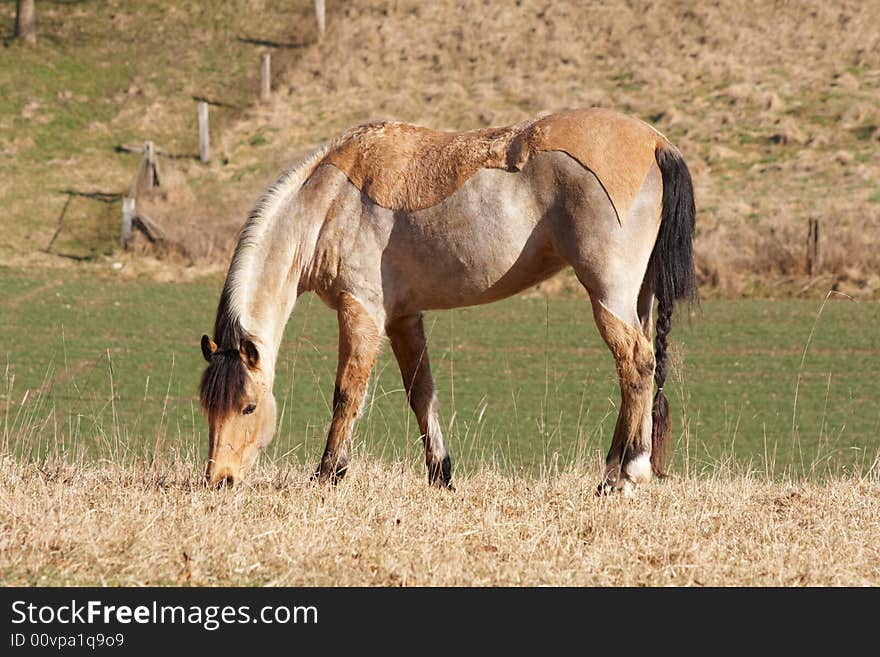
776 109
69 524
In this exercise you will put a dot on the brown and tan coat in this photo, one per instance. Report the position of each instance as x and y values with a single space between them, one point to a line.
391 219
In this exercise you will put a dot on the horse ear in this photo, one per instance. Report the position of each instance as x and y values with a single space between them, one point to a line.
208 347
250 354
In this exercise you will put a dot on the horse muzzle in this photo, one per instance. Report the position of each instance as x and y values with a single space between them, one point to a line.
219 476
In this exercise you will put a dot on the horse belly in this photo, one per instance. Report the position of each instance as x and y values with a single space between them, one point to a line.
482 243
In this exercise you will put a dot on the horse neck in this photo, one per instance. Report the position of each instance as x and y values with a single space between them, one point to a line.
264 276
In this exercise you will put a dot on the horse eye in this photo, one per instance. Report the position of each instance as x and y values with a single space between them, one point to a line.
250 408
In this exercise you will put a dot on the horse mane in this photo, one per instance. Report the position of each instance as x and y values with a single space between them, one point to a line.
223 381
222 385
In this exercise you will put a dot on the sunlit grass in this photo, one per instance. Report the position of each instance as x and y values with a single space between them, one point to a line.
526 382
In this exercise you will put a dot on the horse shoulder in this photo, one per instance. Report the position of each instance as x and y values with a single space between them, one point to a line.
405 167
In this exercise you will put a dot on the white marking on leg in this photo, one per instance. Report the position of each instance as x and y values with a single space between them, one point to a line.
435 437
638 470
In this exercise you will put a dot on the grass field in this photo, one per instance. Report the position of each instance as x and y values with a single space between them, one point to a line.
132 524
773 386
104 74
107 367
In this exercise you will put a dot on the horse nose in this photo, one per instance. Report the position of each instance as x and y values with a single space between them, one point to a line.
220 479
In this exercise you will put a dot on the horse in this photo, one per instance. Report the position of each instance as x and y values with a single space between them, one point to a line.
389 219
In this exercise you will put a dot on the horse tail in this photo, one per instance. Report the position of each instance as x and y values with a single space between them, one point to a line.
674 279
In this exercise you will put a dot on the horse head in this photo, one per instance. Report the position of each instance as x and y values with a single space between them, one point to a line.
236 395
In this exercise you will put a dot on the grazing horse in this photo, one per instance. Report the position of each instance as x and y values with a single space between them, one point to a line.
390 219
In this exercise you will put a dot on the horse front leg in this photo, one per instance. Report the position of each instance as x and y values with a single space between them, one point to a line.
407 336
358 347
629 459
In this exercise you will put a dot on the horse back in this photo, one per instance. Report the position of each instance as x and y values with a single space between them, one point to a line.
406 167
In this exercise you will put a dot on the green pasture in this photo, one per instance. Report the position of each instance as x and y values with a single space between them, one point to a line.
108 368
109 73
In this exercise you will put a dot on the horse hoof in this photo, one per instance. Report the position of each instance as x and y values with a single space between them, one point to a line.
441 484
325 475
622 486
440 474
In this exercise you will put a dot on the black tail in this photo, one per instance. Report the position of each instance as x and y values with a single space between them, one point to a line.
672 266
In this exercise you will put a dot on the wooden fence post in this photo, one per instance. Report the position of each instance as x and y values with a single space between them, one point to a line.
152 166
265 77
204 135
128 213
319 15
25 23
145 179
812 246
147 175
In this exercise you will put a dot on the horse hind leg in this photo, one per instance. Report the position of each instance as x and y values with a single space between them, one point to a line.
611 260
407 337
629 459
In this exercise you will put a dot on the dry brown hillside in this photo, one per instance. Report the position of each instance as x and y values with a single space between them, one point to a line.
775 104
